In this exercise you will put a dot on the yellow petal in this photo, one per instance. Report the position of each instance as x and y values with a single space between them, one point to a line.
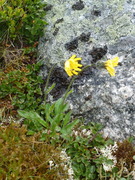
112 62
74 72
73 56
77 69
69 73
108 63
111 71
79 65
115 61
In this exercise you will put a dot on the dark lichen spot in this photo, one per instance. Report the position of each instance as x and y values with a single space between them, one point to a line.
59 77
96 13
97 53
106 118
84 37
78 6
70 46
48 8
56 31
87 98
58 21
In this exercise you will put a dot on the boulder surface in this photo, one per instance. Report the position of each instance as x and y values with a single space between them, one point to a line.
95 31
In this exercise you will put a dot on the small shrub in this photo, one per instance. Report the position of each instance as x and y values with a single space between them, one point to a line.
86 162
21 20
22 87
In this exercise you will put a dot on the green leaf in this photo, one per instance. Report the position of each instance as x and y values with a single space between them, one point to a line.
58 105
82 168
51 108
57 129
47 107
92 169
99 138
68 128
48 118
67 118
33 116
56 121
30 132
50 88
67 94
76 145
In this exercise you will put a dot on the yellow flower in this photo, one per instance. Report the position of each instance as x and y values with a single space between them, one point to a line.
72 66
110 64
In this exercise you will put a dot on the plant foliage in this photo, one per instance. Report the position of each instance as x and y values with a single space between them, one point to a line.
86 162
21 19
22 86
54 121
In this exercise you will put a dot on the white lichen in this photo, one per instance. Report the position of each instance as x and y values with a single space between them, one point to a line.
66 162
108 152
82 133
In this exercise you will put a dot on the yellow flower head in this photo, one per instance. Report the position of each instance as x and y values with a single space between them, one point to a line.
110 64
72 66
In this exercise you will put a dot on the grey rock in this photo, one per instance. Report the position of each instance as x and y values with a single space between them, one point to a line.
133 53
96 31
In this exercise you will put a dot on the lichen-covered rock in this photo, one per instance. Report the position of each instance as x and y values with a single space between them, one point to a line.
94 30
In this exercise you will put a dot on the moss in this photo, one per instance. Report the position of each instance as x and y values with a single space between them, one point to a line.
22 157
124 155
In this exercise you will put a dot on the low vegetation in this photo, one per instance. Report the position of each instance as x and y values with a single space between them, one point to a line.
41 139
